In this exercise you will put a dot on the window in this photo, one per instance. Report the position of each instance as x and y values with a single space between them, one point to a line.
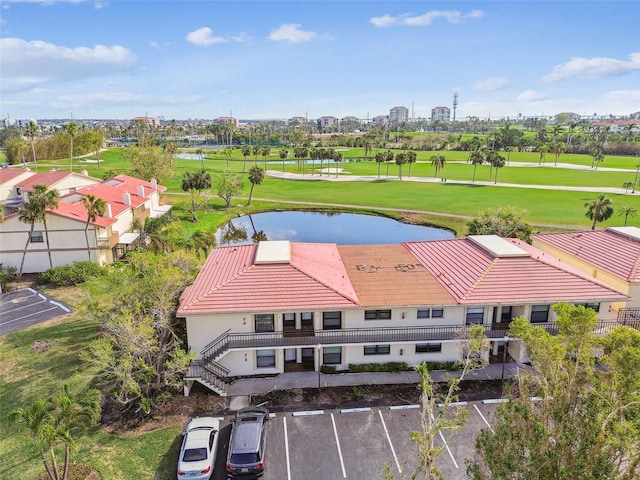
437 312
332 355
424 313
593 306
289 320
475 315
37 237
377 349
539 313
264 323
428 347
331 320
306 320
377 314
265 358
506 314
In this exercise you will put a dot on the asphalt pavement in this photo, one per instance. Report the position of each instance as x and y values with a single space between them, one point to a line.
22 309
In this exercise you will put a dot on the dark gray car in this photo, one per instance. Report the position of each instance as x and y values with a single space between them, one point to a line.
248 443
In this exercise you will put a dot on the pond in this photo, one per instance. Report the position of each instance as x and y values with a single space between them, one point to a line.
323 227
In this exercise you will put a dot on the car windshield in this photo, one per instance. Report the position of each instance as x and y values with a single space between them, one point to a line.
243 458
194 455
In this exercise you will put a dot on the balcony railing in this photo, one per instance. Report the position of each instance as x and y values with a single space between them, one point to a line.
629 317
228 341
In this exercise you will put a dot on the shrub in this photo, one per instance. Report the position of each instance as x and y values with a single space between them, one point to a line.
378 367
6 275
328 369
68 275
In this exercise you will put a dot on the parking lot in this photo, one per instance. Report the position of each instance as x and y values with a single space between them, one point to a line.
22 309
357 443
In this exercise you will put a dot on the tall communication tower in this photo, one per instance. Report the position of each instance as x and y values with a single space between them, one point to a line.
455 105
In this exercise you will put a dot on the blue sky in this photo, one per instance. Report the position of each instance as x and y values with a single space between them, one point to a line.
183 59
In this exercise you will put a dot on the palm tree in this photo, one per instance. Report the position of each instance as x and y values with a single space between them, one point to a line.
627 186
35 210
55 421
200 153
388 157
380 158
510 149
627 211
599 209
557 148
32 131
597 154
72 130
265 151
337 157
202 242
401 159
284 153
227 153
477 157
411 159
543 149
498 161
438 162
256 177
246 151
255 150
95 208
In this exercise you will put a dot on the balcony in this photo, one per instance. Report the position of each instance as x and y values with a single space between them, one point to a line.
240 341
110 242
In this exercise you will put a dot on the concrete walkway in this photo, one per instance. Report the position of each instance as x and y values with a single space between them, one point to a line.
241 390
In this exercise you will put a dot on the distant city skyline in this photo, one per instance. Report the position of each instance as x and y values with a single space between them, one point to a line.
94 59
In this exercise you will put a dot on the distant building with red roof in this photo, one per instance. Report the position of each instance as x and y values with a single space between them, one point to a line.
279 306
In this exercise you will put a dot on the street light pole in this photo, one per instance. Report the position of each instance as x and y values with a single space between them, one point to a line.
318 348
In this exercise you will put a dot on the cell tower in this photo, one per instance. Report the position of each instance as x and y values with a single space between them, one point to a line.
455 105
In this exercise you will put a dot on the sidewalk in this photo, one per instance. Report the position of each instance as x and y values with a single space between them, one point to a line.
240 391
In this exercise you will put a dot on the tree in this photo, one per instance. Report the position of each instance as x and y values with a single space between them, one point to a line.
585 422
96 207
597 154
32 131
201 242
477 157
246 151
411 159
627 211
97 140
497 161
557 148
265 152
149 162
154 234
139 357
284 153
599 209
200 154
438 162
337 157
543 149
228 186
401 159
501 221
438 415
72 130
388 157
54 422
227 152
256 177
627 186
380 158
195 183
34 210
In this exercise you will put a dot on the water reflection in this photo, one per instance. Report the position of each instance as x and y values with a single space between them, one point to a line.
324 227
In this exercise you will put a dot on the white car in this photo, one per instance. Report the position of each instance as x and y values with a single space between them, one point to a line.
198 451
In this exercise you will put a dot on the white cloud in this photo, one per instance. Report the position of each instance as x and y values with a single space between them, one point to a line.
204 37
25 64
290 32
596 67
124 98
154 44
531 96
491 83
426 19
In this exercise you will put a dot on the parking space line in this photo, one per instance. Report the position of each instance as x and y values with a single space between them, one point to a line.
30 315
356 410
286 447
307 413
393 450
483 418
25 305
446 445
335 432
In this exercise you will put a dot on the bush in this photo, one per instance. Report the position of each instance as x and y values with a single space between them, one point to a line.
68 275
444 365
328 369
378 367
6 275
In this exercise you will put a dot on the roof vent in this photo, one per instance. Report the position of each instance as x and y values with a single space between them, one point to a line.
498 246
274 251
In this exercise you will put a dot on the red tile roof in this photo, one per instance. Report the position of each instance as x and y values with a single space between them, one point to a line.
8 174
230 281
608 250
49 179
125 182
77 211
474 276
112 195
